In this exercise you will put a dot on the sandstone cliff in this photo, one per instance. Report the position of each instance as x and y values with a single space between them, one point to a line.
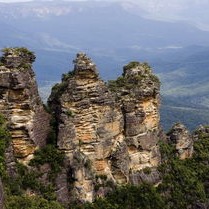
20 103
138 93
108 132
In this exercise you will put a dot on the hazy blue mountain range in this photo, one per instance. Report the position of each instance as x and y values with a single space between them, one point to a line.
114 33
194 12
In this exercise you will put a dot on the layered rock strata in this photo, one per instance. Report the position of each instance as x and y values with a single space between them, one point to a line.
90 124
27 120
108 132
138 93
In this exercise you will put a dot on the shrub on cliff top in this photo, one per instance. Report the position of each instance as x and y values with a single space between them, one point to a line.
133 79
17 51
130 65
58 89
17 57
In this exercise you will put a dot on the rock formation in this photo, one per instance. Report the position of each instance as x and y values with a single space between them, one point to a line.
108 132
138 93
182 139
20 103
90 124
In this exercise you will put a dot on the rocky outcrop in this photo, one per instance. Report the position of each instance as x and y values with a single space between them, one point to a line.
90 124
27 120
108 132
182 140
138 93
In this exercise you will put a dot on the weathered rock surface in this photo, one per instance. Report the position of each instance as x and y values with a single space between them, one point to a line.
110 132
148 175
27 120
139 98
182 139
90 124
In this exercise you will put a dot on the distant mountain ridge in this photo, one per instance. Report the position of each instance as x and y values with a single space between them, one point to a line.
190 11
92 27
112 33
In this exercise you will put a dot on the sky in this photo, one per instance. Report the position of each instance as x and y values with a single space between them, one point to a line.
11 1
193 11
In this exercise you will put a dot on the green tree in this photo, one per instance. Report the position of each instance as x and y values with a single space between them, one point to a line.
4 142
33 202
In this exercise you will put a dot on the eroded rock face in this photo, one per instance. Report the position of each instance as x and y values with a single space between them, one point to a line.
139 97
182 139
90 125
20 102
109 133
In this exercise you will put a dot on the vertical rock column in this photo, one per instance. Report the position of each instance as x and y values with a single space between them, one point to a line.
90 123
138 92
109 133
27 120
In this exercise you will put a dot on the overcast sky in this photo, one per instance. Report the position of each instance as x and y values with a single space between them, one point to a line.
11 1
